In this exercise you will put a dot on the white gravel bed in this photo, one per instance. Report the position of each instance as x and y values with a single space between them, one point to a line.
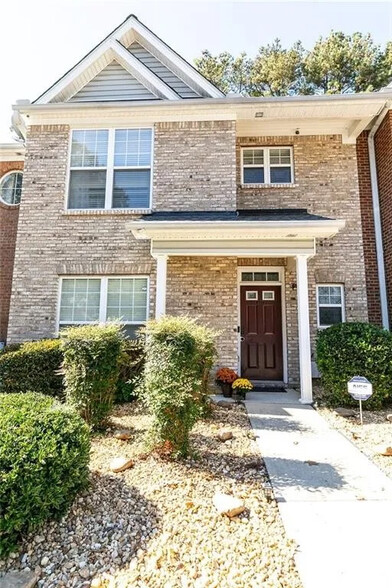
155 525
372 438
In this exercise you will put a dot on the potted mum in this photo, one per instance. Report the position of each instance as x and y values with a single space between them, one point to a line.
240 387
224 378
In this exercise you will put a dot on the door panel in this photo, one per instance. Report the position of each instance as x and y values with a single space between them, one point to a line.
261 333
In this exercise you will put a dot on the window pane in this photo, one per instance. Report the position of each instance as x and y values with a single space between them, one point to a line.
253 175
127 299
131 189
80 298
89 148
330 315
11 188
280 156
330 294
280 175
259 276
272 276
253 156
247 276
132 147
87 189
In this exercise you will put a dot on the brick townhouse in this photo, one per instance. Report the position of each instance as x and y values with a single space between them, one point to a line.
147 191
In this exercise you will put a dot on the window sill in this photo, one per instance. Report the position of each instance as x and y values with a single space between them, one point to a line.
105 211
264 186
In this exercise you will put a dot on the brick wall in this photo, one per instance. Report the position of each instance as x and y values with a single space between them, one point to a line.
383 148
51 243
8 228
326 183
369 243
194 166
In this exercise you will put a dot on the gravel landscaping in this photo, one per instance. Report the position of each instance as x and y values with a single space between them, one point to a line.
372 438
155 523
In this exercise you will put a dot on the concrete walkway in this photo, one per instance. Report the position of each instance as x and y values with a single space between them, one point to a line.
335 503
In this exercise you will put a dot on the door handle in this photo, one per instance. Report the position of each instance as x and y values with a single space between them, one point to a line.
242 339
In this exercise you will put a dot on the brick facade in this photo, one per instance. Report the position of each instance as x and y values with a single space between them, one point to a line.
196 167
8 228
383 149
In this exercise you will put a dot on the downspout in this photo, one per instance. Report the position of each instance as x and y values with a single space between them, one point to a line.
377 218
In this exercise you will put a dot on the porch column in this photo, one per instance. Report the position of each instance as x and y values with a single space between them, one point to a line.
160 297
305 365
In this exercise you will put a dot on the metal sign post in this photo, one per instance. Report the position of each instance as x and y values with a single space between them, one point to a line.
360 389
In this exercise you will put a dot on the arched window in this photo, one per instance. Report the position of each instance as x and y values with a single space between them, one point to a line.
11 187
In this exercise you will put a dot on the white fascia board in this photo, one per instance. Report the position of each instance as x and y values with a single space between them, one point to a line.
144 75
171 55
240 248
12 152
185 230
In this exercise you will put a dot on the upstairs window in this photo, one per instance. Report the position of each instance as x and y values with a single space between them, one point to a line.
267 165
110 169
330 305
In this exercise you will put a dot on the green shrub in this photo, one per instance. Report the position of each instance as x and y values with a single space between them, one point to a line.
352 349
131 365
179 355
91 369
44 455
34 366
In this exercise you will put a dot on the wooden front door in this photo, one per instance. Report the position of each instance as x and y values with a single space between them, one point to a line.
261 333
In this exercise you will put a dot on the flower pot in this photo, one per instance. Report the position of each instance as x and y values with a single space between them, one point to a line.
240 394
226 389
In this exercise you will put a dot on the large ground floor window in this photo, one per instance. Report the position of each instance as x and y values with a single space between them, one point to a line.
93 299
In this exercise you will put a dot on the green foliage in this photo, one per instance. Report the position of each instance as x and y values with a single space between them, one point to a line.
33 366
44 455
179 356
91 369
352 349
131 365
339 63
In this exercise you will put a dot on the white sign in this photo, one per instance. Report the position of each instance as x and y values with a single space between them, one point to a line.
360 388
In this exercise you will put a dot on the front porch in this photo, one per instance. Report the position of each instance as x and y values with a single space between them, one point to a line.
245 274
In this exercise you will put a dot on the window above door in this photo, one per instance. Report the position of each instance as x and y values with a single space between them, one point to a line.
267 166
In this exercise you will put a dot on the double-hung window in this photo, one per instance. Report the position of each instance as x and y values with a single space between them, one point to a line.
267 165
110 169
330 305
100 299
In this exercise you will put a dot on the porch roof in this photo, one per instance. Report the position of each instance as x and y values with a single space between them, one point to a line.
264 214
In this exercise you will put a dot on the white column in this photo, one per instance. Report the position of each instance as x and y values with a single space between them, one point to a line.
305 364
160 302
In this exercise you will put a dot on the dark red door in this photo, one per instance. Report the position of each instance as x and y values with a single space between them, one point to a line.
261 333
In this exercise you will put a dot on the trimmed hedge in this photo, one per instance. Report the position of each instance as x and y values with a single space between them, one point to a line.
351 349
179 355
34 366
44 456
131 366
91 368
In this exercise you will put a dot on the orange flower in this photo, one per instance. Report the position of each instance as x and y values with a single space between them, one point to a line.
226 375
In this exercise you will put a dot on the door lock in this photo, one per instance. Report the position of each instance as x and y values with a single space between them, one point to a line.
242 339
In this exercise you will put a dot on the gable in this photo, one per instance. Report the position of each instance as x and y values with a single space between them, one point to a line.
154 71
113 83
163 72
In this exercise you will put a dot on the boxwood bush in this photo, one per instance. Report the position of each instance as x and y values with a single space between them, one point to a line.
352 349
179 355
91 368
44 455
131 365
32 366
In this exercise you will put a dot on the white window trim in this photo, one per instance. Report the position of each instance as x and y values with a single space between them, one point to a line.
102 300
12 171
342 305
110 168
267 166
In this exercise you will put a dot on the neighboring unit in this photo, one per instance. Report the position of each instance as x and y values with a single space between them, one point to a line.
147 191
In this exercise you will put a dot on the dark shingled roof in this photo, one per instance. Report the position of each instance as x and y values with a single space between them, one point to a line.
274 214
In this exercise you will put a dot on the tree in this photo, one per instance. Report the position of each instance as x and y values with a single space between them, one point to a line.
337 64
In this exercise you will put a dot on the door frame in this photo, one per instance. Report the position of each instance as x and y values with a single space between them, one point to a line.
281 283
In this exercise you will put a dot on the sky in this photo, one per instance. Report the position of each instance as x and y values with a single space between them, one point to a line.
41 40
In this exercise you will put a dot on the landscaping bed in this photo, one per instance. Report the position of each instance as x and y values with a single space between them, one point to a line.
372 438
155 524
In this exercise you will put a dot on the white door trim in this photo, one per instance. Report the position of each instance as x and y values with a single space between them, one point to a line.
282 283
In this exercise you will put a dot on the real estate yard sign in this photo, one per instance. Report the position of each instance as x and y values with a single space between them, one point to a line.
360 389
